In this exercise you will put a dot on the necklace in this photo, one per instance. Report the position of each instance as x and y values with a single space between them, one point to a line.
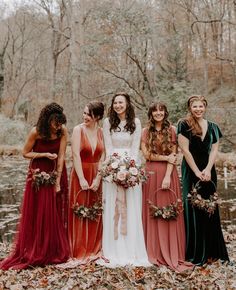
158 131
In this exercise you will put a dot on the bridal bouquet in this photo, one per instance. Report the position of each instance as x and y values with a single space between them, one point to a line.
122 170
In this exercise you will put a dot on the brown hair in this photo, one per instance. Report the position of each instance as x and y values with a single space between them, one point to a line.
51 112
96 109
192 122
130 115
165 142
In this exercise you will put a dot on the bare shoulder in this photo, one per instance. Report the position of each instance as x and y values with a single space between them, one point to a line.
64 130
34 133
77 128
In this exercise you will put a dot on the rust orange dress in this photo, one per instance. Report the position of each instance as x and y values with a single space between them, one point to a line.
85 235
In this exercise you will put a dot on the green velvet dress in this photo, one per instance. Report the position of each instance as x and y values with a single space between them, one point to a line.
204 238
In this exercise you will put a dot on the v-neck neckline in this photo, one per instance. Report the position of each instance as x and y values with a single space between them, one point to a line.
93 149
202 139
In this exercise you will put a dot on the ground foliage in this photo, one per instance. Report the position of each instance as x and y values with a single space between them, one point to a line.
211 276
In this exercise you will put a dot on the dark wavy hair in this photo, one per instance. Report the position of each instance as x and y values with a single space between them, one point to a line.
96 109
192 122
165 142
51 112
129 115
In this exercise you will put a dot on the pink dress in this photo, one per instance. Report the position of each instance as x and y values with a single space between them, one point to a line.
165 239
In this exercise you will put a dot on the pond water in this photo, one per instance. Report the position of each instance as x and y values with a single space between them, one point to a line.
12 181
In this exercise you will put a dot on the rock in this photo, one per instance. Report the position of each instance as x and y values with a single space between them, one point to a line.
10 150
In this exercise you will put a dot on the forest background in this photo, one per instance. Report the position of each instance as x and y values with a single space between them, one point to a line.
75 51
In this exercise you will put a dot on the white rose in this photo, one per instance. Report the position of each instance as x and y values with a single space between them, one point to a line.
133 171
122 168
121 175
114 165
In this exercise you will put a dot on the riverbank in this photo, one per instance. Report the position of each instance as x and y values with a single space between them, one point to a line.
212 276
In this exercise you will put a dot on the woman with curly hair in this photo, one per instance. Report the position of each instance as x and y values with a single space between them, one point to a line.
165 238
41 237
123 240
199 140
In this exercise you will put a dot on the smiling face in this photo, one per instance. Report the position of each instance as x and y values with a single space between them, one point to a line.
159 114
89 120
120 106
55 126
197 109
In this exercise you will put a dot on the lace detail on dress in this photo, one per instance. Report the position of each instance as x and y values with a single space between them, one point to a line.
119 141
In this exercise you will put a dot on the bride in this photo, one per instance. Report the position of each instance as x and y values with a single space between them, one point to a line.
123 240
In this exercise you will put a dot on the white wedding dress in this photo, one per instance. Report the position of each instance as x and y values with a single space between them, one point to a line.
127 249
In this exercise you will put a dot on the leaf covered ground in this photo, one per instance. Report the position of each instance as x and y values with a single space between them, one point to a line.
211 276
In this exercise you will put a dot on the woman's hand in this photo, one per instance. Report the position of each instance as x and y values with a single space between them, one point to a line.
51 156
84 184
206 174
57 187
172 159
95 185
166 182
200 175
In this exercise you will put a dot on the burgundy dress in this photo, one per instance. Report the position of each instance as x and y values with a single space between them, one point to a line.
165 239
41 237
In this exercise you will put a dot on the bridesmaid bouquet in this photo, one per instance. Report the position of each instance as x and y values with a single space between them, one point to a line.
90 213
122 170
168 212
40 178
209 205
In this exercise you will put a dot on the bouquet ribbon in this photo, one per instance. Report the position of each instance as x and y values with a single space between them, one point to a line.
120 212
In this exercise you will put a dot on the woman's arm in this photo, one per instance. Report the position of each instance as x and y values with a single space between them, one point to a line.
98 177
169 169
134 150
171 158
29 144
61 157
212 158
184 146
75 146
107 138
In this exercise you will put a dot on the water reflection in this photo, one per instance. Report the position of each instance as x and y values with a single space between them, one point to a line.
228 206
13 174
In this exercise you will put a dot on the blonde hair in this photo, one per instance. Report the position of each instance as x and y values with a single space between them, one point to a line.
192 122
